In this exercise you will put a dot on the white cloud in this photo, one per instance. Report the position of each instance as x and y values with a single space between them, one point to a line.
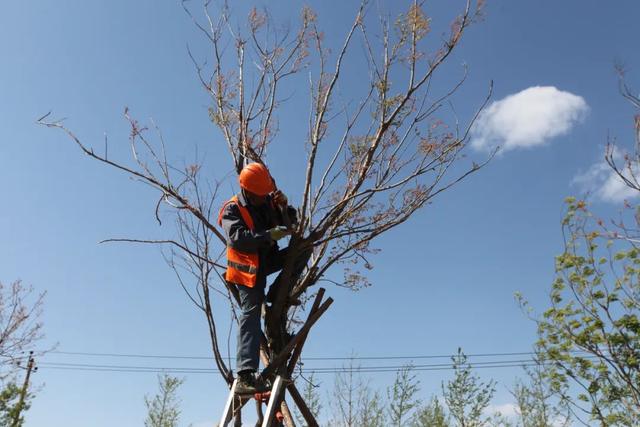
511 412
527 119
508 410
604 183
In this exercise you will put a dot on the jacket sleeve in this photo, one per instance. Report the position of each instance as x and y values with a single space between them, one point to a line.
292 213
239 236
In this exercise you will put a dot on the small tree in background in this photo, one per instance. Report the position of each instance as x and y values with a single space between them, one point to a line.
371 407
403 396
311 395
20 325
11 411
467 397
354 402
163 410
20 331
535 401
344 400
589 337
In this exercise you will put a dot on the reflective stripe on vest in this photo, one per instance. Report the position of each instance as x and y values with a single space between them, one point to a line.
242 267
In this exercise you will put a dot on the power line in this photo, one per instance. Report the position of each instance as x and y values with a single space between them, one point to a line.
319 370
525 359
413 357
306 371
137 356
314 369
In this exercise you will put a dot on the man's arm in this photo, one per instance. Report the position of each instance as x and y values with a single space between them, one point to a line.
278 202
239 236
292 213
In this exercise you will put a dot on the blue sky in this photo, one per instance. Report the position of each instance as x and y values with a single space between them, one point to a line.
466 254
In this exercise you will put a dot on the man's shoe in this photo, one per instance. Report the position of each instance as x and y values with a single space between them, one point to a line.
249 384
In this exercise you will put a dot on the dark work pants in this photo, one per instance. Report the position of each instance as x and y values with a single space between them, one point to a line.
249 328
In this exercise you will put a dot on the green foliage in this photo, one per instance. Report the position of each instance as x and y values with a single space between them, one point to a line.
589 339
163 410
432 414
403 396
466 395
9 400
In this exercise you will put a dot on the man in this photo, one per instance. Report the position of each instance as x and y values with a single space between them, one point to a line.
253 223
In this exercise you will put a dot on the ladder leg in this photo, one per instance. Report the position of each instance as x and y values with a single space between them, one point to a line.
274 401
228 407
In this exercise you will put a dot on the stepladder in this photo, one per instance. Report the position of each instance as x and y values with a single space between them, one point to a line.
272 418
278 366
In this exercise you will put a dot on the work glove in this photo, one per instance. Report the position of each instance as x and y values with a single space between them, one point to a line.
278 233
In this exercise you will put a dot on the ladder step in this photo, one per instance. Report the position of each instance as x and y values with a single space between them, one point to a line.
262 397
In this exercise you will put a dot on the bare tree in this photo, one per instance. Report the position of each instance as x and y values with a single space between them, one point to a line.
626 167
20 325
371 163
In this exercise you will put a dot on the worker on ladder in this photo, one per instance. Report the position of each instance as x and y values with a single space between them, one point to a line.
253 221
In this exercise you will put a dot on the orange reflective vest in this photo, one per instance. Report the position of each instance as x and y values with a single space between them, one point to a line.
242 267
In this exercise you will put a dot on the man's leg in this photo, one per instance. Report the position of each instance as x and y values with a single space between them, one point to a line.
249 330
277 264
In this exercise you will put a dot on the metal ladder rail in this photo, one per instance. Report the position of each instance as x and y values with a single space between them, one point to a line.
272 407
228 407
274 401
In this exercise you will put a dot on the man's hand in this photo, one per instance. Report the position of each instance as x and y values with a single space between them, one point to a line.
279 199
278 233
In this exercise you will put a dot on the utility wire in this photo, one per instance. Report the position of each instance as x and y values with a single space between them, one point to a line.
524 359
306 371
417 357
331 370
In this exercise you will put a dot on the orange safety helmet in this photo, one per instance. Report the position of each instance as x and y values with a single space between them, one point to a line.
256 179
